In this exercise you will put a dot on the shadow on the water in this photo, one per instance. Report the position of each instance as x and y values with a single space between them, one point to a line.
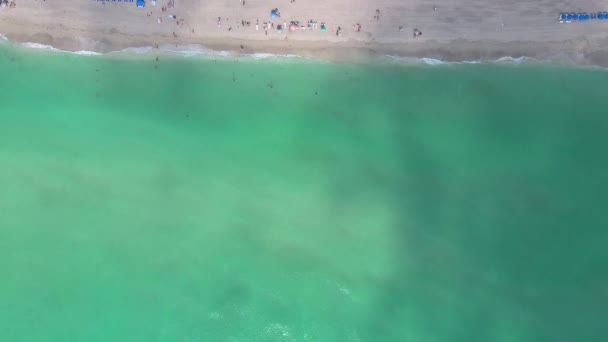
497 236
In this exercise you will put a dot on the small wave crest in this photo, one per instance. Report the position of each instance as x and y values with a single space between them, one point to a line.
514 60
184 50
437 62
38 46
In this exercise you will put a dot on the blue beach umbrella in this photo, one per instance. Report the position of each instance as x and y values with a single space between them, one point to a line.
562 17
575 17
600 16
273 14
569 17
586 16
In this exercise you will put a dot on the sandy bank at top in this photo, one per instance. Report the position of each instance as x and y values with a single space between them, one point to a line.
452 30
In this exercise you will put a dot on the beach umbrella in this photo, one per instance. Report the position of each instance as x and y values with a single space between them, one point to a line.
586 16
569 17
562 17
273 14
323 29
293 27
601 16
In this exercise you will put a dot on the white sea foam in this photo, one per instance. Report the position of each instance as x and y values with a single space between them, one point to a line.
436 62
39 46
513 60
432 61
278 332
86 53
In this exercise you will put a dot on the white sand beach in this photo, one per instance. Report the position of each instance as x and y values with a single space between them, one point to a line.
451 30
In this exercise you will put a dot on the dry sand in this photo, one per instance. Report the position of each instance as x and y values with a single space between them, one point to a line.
452 30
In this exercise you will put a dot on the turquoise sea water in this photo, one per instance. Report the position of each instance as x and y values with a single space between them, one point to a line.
198 200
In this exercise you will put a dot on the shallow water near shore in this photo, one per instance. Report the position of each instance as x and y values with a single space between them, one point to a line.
238 200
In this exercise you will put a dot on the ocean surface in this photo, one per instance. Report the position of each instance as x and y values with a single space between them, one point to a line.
202 199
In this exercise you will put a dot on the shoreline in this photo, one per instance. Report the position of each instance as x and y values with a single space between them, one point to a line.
430 53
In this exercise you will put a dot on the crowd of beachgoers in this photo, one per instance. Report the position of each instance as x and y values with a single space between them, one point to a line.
276 22
273 22
8 3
